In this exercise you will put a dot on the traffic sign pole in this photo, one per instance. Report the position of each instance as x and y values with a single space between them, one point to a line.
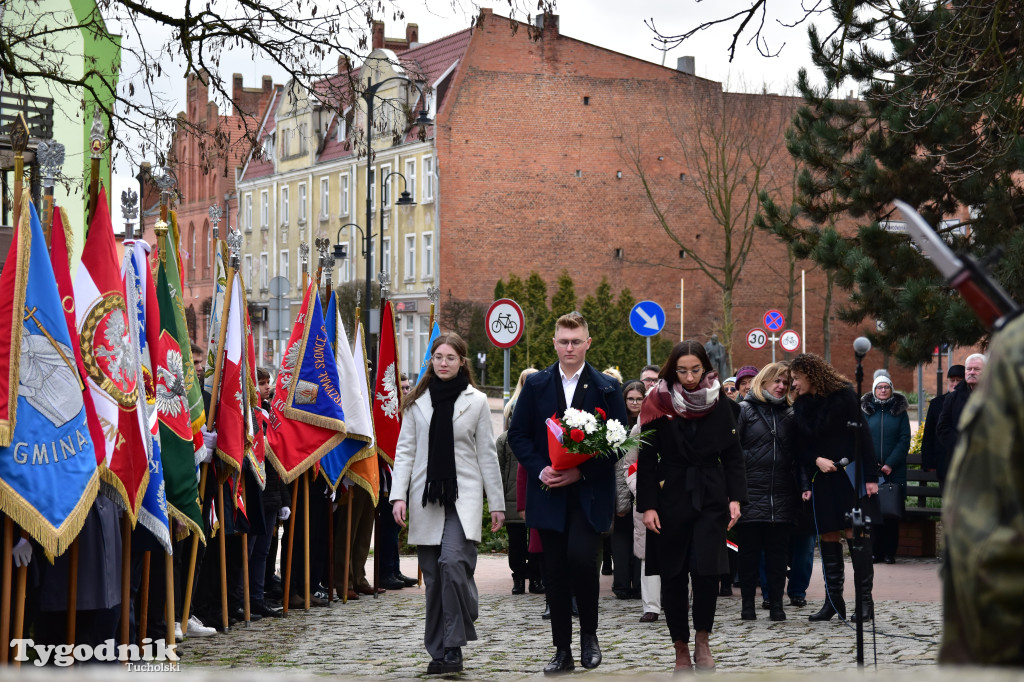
648 350
508 372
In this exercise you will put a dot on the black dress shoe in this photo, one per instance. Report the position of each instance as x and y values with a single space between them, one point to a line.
436 666
537 587
890 559
797 601
547 611
765 604
606 568
560 663
518 586
409 582
452 660
238 615
590 652
391 583
261 608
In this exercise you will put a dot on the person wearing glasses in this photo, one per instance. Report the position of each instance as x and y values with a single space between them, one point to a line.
570 508
729 388
625 477
690 485
649 375
626 584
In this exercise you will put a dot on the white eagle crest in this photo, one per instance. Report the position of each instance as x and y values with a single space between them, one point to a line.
389 399
170 387
288 362
118 355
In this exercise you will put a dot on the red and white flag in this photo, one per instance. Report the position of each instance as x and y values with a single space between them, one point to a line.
111 362
232 424
387 396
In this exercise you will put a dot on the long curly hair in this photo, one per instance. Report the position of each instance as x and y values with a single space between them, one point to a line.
822 376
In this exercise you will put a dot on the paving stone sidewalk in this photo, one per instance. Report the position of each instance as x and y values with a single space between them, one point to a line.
382 639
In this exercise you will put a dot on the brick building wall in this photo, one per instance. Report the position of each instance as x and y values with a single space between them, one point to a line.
530 149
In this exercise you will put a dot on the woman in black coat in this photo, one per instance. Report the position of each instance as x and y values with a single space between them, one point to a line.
773 487
690 484
825 407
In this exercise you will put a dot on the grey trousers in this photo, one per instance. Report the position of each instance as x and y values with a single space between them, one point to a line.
452 599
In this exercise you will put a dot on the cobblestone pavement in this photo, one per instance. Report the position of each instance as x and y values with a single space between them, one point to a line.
382 638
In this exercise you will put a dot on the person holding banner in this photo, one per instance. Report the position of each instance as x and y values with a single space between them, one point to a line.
444 463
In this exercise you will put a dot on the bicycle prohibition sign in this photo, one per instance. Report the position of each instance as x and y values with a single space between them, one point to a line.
504 322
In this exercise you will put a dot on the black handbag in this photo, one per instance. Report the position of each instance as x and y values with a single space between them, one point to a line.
890 501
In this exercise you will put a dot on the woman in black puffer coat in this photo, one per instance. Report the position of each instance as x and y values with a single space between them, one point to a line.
825 408
774 483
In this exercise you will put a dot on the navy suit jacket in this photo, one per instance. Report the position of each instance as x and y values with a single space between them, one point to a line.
527 435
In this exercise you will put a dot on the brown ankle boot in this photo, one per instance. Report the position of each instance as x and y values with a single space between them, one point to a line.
702 653
683 663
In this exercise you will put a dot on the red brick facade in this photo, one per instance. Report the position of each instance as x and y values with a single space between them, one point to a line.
529 154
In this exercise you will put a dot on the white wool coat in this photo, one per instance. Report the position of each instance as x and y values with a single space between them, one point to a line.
476 464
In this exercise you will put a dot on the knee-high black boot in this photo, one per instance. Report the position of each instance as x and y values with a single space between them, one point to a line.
835 575
864 574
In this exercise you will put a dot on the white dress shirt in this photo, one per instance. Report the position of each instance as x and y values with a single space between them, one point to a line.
569 384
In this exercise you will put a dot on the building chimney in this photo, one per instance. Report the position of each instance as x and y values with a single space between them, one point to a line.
377 30
268 83
547 23
412 34
687 65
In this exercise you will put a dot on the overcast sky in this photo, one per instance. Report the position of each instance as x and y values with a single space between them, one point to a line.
613 24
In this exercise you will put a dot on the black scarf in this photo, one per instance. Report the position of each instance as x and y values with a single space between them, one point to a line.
442 481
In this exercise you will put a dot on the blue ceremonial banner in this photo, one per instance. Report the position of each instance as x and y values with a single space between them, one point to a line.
434 333
358 443
136 273
314 396
48 474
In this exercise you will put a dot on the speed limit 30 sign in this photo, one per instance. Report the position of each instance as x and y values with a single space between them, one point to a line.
757 338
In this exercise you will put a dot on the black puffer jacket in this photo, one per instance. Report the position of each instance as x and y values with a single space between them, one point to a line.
774 478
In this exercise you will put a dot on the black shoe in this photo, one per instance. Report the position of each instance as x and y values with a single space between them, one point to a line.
747 610
561 662
547 612
537 586
765 604
452 661
409 582
391 583
436 666
261 608
621 594
606 568
890 559
575 610
797 601
238 615
776 612
518 586
725 590
590 651
835 575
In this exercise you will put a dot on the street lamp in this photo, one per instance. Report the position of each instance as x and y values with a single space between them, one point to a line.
369 95
340 254
404 200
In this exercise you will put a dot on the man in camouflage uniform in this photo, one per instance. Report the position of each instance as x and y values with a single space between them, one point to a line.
983 583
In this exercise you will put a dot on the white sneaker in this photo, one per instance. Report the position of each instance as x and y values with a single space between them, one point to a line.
177 632
197 629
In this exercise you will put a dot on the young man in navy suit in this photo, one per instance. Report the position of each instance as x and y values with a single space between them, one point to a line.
577 504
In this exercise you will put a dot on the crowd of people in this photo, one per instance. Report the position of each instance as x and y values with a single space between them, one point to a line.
734 483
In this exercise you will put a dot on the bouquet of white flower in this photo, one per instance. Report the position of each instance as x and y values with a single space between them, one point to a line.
580 435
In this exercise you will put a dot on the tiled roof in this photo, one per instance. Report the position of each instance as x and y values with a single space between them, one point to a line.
430 62
261 168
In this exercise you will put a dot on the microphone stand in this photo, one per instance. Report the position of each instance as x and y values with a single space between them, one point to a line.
857 518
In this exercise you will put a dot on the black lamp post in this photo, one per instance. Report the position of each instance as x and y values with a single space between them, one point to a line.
369 95
859 522
404 200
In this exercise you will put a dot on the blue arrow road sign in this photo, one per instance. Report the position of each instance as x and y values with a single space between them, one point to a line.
647 318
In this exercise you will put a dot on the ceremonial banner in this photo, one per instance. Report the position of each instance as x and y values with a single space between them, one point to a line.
358 443
255 450
141 299
307 420
170 259
220 283
434 333
176 438
231 423
364 472
387 412
48 473
111 363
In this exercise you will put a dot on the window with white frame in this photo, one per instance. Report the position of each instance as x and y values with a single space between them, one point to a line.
282 269
302 203
248 212
385 261
284 206
325 198
428 178
373 189
264 209
345 270
410 257
303 138
385 171
410 178
341 128
343 193
428 255
247 272
264 270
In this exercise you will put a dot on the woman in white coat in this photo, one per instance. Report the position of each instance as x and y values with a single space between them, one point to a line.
444 463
